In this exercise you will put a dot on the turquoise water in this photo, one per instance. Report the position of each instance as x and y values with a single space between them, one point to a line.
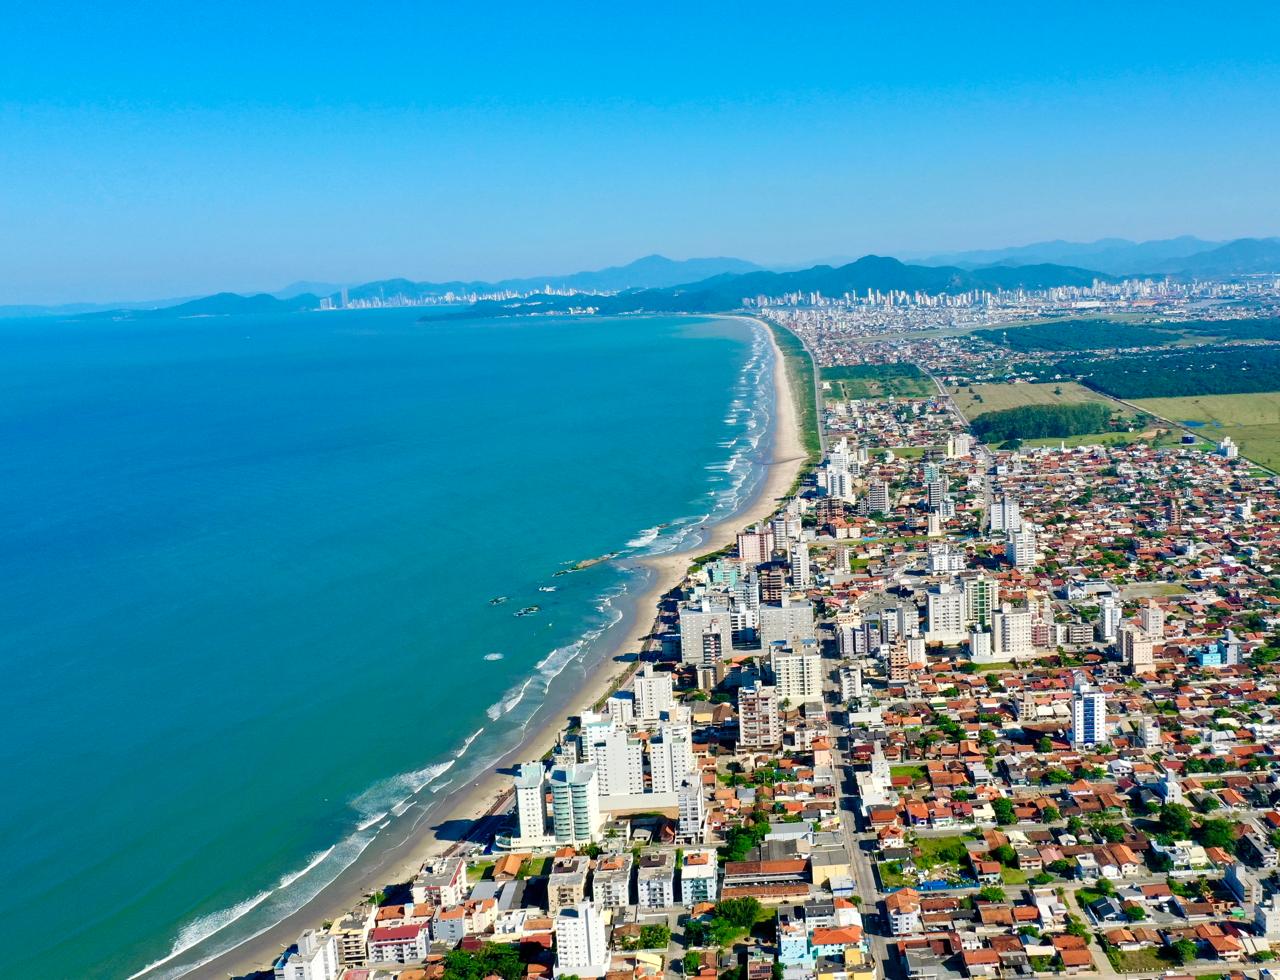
245 572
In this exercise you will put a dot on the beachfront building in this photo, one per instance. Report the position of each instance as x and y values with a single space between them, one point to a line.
531 806
313 957
575 803
759 724
581 949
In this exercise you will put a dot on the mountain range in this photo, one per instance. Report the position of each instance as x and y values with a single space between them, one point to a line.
704 284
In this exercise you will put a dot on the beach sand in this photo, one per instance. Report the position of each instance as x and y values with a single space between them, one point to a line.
490 793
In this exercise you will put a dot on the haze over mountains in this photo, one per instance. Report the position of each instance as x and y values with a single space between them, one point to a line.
1185 254
705 284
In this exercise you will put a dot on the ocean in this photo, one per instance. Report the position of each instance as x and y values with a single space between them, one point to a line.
247 578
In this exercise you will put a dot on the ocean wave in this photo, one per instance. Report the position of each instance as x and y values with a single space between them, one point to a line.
508 701
466 744
493 656
645 538
201 928
290 893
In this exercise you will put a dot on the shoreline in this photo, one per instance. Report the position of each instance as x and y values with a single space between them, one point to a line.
488 794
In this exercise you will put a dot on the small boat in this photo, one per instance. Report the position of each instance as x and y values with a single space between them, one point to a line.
497 600
528 610
546 588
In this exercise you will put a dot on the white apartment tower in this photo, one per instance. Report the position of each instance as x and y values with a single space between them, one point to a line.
692 827
1088 714
1020 546
653 693
1011 633
575 803
670 758
531 803
581 949
797 673
801 573
1005 515
945 612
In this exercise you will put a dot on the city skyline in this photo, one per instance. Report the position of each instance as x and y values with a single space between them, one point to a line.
152 154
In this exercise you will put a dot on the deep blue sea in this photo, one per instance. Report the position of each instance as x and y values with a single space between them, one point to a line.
246 566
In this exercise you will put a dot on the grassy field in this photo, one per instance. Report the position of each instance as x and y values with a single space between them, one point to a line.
1252 420
878 381
976 400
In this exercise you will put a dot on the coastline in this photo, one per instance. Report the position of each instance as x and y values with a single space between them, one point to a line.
432 835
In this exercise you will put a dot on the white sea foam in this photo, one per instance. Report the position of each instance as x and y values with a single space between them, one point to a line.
645 538
365 825
509 700
466 744
493 656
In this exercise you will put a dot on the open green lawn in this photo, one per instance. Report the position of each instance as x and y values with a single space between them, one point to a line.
851 381
975 400
1139 961
941 850
915 772
1251 420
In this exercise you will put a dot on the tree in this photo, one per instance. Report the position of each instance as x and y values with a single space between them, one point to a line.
1050 814
1005 854
692 962
1044 744
1175 819
497 959
1076 928
1135 913
1003 808
992 893
1183 951
739 912
1217 833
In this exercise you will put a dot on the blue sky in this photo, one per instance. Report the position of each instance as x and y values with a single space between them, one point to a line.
151 150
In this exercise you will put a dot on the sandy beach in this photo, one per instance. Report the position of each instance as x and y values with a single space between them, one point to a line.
490 792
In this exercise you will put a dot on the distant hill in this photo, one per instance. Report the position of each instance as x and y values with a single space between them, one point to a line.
1242 256
726 292
650 272
1116 256
222 304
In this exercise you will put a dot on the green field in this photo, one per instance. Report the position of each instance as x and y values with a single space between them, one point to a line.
975 400
1252 420
851 381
